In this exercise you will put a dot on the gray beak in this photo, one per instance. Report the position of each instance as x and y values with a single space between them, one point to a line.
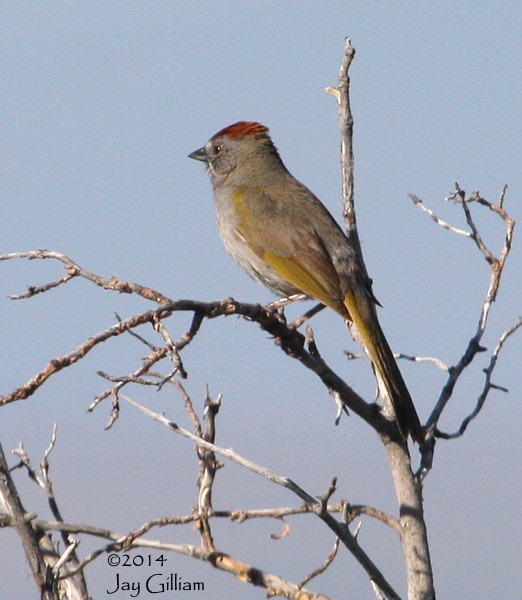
199 154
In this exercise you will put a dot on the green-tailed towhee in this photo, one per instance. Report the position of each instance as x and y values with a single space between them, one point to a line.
285 239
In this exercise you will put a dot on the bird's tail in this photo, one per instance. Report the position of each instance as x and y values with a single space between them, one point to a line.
389 378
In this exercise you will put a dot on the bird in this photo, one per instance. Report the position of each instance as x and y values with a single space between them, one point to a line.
284 237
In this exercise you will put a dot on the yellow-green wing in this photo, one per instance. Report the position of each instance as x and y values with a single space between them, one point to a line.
284 237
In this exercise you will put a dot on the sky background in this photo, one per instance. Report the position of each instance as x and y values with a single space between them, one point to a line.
101 103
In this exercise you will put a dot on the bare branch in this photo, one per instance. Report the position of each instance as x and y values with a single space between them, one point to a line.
208 466
71 358
118 542
332 488
236 516
291 342
172 350
497 267
399 355
414 536
352 511
475 234
327 562
420 359
74 270
246 573
341 530
76 584
227 453
410 526
420 204
39 550
488 385
346 129
210 309
135 377
34 289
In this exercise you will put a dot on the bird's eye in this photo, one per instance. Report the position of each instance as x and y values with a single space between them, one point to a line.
216 149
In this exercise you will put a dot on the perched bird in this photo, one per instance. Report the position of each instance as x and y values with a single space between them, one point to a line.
285 239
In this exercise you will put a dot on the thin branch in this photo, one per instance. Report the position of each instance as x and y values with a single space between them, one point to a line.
69 554
421 359
38 550
40 289
414 535
77 584
340 530
209 309
488 384
291 342
399 355
208 466
321 569
135 377
420 204
475 234
134 539
74 270
227 453
172 350
497 267
236 516
346 129
352 511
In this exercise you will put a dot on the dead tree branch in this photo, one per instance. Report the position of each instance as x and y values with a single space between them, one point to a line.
292 342
318 507
48 566
408 489
45 562
474 346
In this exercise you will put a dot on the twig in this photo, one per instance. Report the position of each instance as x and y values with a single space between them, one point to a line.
352 511
497 267
321 569
320 508
45 483
420 359
414 537
475 234
291 342
135 377
172 350
134 539
420 204
399 355
488 385
40 289
227 453
32 543
342 94
74 270
284 531
208 466
210 309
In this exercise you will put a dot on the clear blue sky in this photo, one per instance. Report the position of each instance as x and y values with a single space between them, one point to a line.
101 103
